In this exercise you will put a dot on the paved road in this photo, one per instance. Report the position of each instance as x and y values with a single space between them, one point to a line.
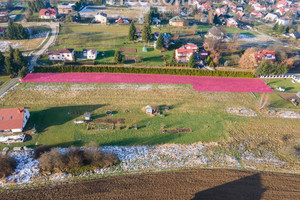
8 86
36 54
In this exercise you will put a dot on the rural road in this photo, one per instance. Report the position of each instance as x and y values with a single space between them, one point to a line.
8 86
36 54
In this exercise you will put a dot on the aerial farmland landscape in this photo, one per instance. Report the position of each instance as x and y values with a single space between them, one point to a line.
149 100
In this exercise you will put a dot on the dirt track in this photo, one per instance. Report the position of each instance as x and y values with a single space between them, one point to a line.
189 184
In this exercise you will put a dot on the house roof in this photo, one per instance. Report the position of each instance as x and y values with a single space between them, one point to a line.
264 53
255 12
4 14
48 10
188 48
59 51
11 118
102 14
93 51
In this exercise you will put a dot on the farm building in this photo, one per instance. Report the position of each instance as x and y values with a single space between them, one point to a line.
13 119
65 8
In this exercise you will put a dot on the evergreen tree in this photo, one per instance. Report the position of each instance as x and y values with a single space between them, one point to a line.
146 33
2 63
19 61
269 68
118 57
148 19
8 66
275 27
160 42
192 61
132 32
216 20
23 72
173 59
15 31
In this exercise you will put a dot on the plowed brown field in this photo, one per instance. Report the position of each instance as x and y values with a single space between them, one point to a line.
189 184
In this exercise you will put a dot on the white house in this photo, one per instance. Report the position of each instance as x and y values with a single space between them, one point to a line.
61 54
13 119
284 21
90 53
271 17
48 13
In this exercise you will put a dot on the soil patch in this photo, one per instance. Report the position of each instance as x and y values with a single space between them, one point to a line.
110 121
188 184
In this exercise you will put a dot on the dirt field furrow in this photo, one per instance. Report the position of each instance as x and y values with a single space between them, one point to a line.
189 184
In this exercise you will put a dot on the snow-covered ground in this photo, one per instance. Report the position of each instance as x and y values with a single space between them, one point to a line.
147 158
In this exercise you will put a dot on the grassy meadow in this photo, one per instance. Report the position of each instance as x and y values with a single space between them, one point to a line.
54 107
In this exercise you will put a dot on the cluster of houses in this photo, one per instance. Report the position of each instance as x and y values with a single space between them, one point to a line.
184 53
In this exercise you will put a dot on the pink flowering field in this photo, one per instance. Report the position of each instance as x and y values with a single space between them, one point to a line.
216 84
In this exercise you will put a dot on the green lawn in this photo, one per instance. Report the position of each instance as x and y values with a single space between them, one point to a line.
290 87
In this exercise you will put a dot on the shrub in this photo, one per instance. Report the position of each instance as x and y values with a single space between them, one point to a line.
75 159
7 165
40 150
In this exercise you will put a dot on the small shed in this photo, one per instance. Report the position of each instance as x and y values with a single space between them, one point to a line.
149 109
145 49
87 116
281 89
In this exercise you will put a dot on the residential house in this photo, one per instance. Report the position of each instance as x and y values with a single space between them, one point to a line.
281 11
183 54
204 7
264 54
121 21
252 3
215 34
65 8
221 11
203 54
230 22
284 21
295 35
61 54
256 14
2 32
3 17
101 18
90 53
48 13
271 17
197 3
178 21
13 119
259 7
282 4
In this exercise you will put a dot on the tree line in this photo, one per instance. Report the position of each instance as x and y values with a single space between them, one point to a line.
13 63
15 31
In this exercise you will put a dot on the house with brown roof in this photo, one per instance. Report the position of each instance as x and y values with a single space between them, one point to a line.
48 13
13 119
65 8
61 54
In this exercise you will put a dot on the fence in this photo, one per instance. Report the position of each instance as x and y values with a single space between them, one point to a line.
294 77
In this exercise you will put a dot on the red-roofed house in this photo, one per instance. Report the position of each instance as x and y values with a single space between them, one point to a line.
184 53
264 54
281 4
13 119
252 2
48 13
256 14
221 11
203 54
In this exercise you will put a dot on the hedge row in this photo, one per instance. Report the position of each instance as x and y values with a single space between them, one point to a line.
171 71
38 20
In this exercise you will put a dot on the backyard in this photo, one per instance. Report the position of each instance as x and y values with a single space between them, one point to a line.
55 106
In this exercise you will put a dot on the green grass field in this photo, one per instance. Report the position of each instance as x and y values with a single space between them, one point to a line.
54 107
290 87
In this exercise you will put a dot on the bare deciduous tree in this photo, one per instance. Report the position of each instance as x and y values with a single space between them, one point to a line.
248 60
263 102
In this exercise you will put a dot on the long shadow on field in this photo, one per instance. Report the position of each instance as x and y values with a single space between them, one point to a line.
43 119
248 188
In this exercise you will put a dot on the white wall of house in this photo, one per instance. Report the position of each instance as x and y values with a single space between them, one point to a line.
62 56
91 55
48 17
